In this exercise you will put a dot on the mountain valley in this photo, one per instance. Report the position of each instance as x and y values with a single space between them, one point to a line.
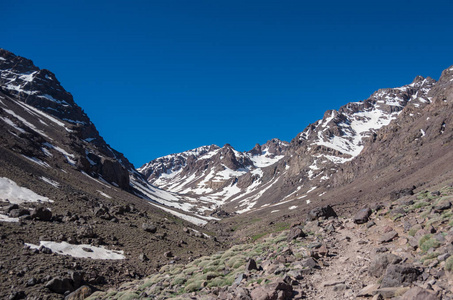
76 217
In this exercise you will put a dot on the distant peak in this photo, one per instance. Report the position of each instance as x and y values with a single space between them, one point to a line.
418 79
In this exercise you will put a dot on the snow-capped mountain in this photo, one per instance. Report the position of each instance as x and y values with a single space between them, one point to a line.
211 173
277 173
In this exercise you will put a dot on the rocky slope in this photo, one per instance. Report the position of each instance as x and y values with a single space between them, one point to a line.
395 250
73 210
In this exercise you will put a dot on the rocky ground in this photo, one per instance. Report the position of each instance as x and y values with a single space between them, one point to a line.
394 250
148 237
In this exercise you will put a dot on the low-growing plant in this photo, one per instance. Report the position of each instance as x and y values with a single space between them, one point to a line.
179 280
129 296
412 231
426 242
429 256
193 287
449 264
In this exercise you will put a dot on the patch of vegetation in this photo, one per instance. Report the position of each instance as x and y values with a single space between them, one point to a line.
426 242
193 287
429 256
129 296
449 264
258 236
412 231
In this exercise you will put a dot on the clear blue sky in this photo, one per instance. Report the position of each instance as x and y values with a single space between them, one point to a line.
159 77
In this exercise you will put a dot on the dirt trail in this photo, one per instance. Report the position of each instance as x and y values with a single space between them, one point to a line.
346 271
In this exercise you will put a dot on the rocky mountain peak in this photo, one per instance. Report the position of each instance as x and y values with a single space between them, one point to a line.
42 95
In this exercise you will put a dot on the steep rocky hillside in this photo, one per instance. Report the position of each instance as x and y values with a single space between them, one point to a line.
72 209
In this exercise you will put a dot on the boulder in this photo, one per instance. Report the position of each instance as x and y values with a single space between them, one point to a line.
400 275
16 213
380 263
388 237
251 265
41 213
362 216
81 293
417 293
273 291
149 227
322 212
295 232
59 285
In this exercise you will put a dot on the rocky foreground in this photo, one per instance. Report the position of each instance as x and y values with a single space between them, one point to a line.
395 250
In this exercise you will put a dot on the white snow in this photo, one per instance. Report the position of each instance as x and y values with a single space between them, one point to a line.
191 219
50 98
37 161
26 123
69 157
80 251
51 182
34 111
9 190
292 207
274 211
264 160
312 189
104 194
12 124
46 152
422 132
5 218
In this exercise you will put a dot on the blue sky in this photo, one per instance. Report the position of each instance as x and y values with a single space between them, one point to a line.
159 77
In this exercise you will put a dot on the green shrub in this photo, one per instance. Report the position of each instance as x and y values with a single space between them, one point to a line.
129 296
193 287
427 242
179 280
412 231
449 264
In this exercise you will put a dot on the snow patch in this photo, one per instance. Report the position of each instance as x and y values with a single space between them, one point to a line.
80 251
9 190
51 182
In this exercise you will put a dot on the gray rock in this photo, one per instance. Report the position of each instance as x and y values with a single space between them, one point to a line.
322 212
239 278
16 213
310 263
41 213
143 257
380 263
388 237
362 216
11 207
81 293
442 206
295 232
251 265
149 227
417 293
400 275
17 295
60 286
443 257
32 281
